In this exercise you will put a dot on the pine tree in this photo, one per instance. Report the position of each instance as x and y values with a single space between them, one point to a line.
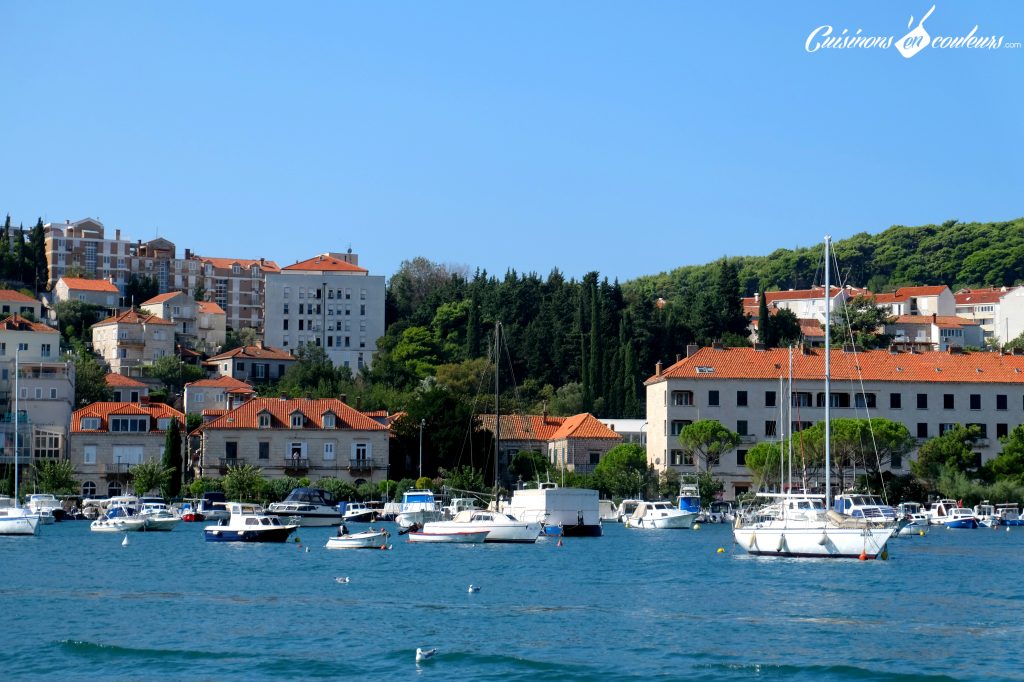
19 268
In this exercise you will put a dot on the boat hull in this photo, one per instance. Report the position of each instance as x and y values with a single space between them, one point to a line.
224 534
494 532
361 517
118 525
19 525
419 517
307 519
816 543
676 522
367 540
962 523
464 537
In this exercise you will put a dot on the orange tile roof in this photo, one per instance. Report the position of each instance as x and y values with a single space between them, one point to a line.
244 263
106 410
121 381
132 316
211 308
325 263
798 295
12 295
877 365
524 426
905 293
17 323
938 320
980 296
246 415
253 353
811 327
82 284
584 426
230 383
163 298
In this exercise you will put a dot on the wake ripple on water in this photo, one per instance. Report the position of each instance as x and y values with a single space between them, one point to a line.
815 673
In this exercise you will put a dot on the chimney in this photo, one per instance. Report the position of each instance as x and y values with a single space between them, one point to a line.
759 346
259 343
344 398
117 235
893 349
718 345
691 349
757 297
188 254
262 262
544 413
678 357
657 368
933 318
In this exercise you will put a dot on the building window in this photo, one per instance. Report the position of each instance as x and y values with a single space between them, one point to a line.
1001 430
678 424
713 398
90 423
895 400
801 399
297 421
328 421
45 350
982 429
231 449
769 398
947 401
264 420
741 458
975 401
922 401
922 429
741 398
129 424
89 454
88 489
946 427
769 427
264 449
895 461
1000 402
741 427
328 451
865 400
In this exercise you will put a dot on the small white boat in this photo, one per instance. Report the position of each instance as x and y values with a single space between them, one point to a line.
368 539
309 507
661 514
248 523
15 520
459 504
721 511
986 515
117 523
914 518
158 516
359 512
419 507
498 526
45 506
1009 514
458 537
607 511
626 509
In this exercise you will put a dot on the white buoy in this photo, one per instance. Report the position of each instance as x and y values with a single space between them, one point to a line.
424 654
124 543
473 588
341 579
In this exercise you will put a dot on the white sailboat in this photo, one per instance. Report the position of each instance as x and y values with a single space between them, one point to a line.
14 520
800 524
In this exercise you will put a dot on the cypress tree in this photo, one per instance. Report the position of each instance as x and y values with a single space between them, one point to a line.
20 266
763 324
172 458
37 255
5 250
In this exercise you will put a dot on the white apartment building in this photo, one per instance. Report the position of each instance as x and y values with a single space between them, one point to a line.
806 304
1009 321
926 300
981 306
935 332
739 387
330 301
131 339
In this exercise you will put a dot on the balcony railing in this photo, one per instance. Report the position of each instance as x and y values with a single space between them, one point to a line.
296 463
584 468
360 464
114 468
224 462
748 439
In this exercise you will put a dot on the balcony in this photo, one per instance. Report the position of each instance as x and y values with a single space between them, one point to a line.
359 464
296 465
748 439
114 469
131 340
224 463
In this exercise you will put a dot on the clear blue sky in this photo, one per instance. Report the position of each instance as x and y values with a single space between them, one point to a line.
624 137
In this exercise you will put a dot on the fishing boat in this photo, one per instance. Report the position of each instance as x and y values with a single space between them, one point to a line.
157 515
46 506
688 500
986 515
1009 514
626 509
248 523
941 510
457 537
959 517
801 524
308 507
368 539
660 514
498 527
419 507
359 512
721 511
915 519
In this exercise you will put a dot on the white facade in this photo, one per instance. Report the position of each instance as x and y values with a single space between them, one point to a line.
342 311
1009 320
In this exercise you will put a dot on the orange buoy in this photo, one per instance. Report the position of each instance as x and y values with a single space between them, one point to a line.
863 556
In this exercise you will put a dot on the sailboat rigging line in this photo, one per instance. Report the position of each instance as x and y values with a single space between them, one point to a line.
860 384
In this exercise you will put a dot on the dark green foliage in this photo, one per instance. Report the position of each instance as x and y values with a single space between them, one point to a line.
138 290
858 323
174 373
464 478
313 375
172 459
75 320
528 466
90 385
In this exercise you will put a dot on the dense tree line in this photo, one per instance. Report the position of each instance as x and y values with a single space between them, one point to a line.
23 255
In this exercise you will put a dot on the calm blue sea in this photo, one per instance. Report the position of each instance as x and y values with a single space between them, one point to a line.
634 604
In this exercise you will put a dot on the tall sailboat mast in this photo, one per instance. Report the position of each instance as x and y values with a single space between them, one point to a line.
828 373
497 410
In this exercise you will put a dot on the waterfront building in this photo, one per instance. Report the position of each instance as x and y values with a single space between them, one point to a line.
295 437
934 332
108 438
255 364
981 306
329 301
928 392
1009 322
131 339
806 304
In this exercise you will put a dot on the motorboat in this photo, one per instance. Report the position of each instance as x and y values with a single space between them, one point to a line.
15 520
459 504
359 512
458 537
500 527
721 511
798 525
940 511
607 511
986 515
189 513
871 508
959 517
158 516
118 519
626 509
1009 514
213 506
661 514
688 499
46 506
419 507
575 510
915 519
368 539
128 503
308 507
248 523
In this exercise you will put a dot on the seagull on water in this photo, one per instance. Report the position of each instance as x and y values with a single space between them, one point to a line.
473 588
342 579
424 654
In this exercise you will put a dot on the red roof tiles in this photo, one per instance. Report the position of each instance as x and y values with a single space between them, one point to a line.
231 384
246 416
132 316
106 410
980 296
12 295
121 381
584 426
244 263
325 263
17 323
82 284
254 353
210 308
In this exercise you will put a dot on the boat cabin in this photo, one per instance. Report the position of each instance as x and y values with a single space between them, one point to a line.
863 507
689 498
